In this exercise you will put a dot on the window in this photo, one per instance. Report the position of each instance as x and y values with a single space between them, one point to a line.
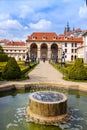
72 50
75 44
54 38
23 57
44 37
75 57
75 50
65 50
65 44
72 44
34 38
65 56
72 58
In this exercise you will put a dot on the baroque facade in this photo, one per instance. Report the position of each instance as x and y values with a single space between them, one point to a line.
15 49
46 45
50 46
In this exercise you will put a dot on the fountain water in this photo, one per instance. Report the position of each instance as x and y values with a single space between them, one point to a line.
47 107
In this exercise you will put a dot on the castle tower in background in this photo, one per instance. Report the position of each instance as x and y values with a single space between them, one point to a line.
67 28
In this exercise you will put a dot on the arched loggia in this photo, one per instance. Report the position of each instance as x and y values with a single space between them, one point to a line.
33 50
54 51
44 51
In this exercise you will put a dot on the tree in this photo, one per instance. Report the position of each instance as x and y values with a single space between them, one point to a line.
1 50
3 56
11 70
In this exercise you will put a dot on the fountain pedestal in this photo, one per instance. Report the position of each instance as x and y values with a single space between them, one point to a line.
47 107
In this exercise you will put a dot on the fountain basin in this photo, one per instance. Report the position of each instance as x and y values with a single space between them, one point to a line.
47 107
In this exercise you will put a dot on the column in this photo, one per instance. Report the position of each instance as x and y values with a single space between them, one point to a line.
38 53
49 53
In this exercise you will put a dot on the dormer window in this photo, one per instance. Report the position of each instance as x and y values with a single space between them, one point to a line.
34 38
44 37
54 38
65 38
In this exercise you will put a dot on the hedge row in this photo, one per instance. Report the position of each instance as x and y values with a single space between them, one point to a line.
73 71
28 68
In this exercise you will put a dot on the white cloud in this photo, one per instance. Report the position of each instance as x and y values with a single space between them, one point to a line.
83 12
25 10
10 24
42 24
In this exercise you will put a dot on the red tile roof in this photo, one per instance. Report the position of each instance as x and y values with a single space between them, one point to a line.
14 43
38 36
4 41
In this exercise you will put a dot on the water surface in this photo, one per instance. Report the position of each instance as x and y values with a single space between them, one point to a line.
13 117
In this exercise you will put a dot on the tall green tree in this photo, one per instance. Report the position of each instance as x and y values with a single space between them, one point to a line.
3 56
1 50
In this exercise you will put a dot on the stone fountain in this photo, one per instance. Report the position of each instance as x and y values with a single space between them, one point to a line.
47 107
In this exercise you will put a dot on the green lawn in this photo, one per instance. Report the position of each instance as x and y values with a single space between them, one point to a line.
24 69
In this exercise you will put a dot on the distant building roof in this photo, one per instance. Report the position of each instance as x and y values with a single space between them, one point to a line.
15 43
4 41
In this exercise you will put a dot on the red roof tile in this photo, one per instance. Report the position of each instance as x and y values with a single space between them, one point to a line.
38 36
13 43
4 41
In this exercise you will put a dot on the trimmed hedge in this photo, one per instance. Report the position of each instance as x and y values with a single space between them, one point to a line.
28 68
11 70
78 71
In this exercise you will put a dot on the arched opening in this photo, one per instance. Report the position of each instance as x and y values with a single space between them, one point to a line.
33 50
54 51
44 51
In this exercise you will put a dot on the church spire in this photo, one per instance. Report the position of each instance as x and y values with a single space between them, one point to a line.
67 28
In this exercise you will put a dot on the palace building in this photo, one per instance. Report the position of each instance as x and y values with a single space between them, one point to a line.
44 45
49 46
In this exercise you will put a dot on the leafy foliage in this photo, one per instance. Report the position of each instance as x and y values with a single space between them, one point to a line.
1 50
78 71
11 70
3 56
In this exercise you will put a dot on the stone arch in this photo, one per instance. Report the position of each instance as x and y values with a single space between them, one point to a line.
54 51
44 51
33 50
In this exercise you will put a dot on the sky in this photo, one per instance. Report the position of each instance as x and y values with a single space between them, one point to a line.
20 18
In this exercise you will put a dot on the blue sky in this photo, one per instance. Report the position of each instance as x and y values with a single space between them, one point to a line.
19 18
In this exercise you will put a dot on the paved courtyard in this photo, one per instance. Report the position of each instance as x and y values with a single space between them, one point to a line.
44 73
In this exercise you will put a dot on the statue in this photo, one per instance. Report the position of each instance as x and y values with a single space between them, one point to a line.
27 58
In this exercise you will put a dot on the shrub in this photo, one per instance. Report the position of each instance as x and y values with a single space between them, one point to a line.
11 70
77 71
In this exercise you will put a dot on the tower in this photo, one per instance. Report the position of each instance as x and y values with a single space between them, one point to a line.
67 28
